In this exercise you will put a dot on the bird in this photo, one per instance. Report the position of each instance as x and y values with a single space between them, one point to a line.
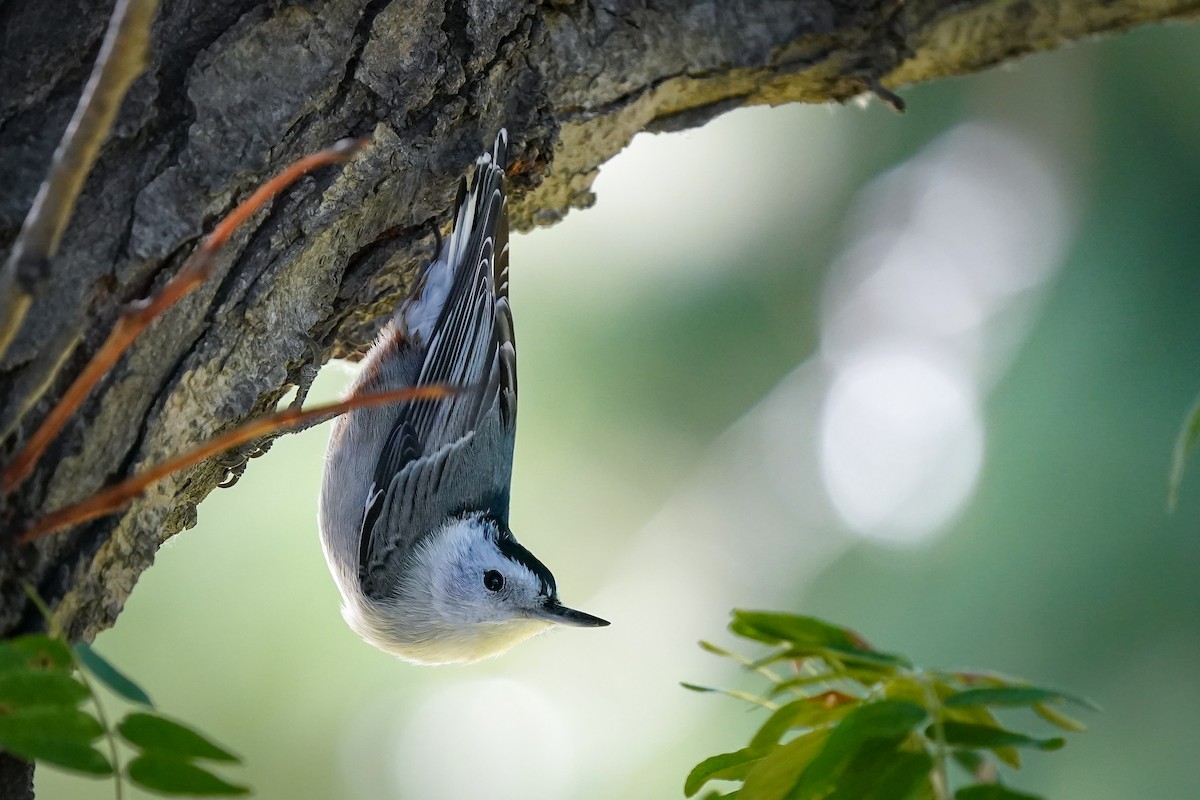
414 503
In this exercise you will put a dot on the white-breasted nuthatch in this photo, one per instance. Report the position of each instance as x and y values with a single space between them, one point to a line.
415 496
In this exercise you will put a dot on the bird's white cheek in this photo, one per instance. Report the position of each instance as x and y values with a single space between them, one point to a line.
456 600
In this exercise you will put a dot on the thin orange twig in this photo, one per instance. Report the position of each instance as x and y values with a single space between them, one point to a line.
117 497
138 315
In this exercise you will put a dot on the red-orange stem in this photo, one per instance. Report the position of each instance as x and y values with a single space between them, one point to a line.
137 316
117 497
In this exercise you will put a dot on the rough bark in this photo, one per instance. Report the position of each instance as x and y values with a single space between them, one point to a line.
236 89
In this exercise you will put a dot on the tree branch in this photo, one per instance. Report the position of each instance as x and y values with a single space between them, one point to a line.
234 91
122 59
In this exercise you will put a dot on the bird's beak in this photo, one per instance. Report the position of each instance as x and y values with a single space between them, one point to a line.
554 611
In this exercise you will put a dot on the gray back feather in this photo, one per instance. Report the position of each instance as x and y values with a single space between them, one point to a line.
454 455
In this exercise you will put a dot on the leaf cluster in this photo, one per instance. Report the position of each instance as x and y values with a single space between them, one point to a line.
849 722
44 686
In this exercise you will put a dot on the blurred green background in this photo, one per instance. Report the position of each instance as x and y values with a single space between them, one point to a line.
919 375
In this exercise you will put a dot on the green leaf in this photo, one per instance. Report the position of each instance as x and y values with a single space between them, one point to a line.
883 719
908 777
717 650
49 722
991 791
34 687
157 735
802 680
168 774
1185 443
881 771
961 734
695 687
35 651
779 723
841 661
774 628
969 760
1012 696
807 637
745 697
775 775
54 735
724 767
110 675
1055 717
871 658
72 755
11 658
803 713
870 672
981 716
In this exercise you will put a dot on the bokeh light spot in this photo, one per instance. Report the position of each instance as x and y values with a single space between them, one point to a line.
901 444
494 738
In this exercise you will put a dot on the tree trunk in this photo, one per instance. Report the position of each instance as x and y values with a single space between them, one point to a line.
234 90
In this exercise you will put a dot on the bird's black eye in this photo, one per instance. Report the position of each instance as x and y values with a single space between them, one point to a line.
493 581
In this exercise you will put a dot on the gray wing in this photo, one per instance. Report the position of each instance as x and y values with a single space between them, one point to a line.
443 457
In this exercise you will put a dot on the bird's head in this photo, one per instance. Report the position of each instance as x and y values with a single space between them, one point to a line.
472 592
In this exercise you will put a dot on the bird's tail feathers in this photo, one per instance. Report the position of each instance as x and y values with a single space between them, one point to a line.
419 314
